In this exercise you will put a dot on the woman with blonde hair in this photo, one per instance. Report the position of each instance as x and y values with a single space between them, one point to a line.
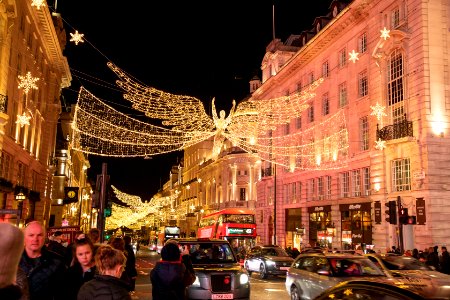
110 264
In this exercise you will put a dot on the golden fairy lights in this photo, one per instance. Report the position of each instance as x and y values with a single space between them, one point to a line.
99 129
38 3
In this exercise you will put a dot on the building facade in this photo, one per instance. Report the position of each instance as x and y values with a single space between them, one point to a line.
385 67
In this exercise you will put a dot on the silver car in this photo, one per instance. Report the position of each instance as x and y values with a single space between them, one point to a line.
313 273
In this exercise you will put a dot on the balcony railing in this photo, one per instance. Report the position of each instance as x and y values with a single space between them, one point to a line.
396 131
3 103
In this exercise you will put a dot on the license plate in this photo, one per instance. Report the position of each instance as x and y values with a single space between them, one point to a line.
222 296
284 268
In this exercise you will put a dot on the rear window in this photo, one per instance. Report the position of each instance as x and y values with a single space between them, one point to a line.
210 253
274 252
404 263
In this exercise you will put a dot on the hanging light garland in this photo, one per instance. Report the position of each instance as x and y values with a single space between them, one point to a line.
99 129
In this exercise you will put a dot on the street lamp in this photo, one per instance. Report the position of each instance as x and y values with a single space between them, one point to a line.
19 197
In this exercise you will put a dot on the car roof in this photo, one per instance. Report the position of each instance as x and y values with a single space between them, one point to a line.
331 255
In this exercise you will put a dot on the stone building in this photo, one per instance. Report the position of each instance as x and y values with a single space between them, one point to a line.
385 67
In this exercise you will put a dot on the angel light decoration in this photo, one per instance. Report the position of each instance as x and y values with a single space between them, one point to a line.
254 125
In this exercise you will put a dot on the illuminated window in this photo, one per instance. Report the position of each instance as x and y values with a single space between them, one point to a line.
362 43
325 69
401 175
342 94
342 58
363 134
325 104
363 84
395 86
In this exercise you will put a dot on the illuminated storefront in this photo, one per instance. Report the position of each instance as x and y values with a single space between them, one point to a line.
356 225
319 221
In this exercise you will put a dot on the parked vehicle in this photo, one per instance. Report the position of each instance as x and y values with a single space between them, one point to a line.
414 273
218 273
267 260
313 273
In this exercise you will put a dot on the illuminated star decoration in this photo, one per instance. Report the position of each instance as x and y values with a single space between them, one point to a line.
331 296
27 82
380 144
38 3
77 37
23 120
348 292
353 56
86 197
385 33
378 111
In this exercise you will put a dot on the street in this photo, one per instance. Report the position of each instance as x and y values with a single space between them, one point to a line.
270 288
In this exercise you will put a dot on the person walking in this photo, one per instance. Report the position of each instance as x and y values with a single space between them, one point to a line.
130 267
44 269
11 247
83 268
171 275
444 260
106 284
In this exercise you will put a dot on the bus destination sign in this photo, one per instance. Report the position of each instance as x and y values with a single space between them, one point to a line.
240 231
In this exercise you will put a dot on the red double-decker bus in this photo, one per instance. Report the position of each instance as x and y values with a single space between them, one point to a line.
237 225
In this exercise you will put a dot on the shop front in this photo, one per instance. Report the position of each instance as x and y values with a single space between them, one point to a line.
294 228
319 222
356 226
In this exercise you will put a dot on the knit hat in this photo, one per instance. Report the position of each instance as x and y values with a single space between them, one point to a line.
170 252
11 248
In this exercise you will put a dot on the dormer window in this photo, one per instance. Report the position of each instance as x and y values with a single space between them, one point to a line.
318 27
335 11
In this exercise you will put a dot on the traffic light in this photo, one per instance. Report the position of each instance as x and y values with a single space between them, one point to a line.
403 215
391 212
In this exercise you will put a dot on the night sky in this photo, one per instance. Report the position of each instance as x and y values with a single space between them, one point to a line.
204 49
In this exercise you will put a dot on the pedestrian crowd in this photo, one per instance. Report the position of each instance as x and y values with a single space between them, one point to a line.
34 268
431 256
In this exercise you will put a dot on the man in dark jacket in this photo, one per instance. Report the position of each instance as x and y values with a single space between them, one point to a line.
170 276
43 268
130 266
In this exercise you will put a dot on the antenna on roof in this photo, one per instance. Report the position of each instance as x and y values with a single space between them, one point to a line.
273 22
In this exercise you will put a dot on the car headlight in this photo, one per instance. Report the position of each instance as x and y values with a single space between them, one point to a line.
243 279
270 263
196 282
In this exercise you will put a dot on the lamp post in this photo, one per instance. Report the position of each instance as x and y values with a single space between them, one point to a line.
19 197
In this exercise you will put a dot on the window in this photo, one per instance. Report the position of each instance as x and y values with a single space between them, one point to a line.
5 165
328 187
320 187
311 77
363 134
293 192
325 69
298 123
356 183
311 193
299 87
342 95
325 104
401 175
362 43
363 84
311 113
286 129
21 172
270 195
344 184
366 181
395 17
342 58
395 86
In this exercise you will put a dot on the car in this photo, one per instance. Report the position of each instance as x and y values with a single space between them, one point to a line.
369 289
414 273
313 273
218 272
267 260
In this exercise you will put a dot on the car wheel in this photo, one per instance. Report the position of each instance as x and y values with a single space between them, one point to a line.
247 268
262 272
295 295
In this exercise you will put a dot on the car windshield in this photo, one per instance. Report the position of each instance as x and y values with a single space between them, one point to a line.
359 266
404 263
274 252
210 253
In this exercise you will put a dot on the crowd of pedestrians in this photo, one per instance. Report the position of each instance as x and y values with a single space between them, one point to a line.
431 256
34 268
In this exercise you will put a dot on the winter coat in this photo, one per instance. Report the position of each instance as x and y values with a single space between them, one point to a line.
104 287
170 279
75 278
45 274
10 292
